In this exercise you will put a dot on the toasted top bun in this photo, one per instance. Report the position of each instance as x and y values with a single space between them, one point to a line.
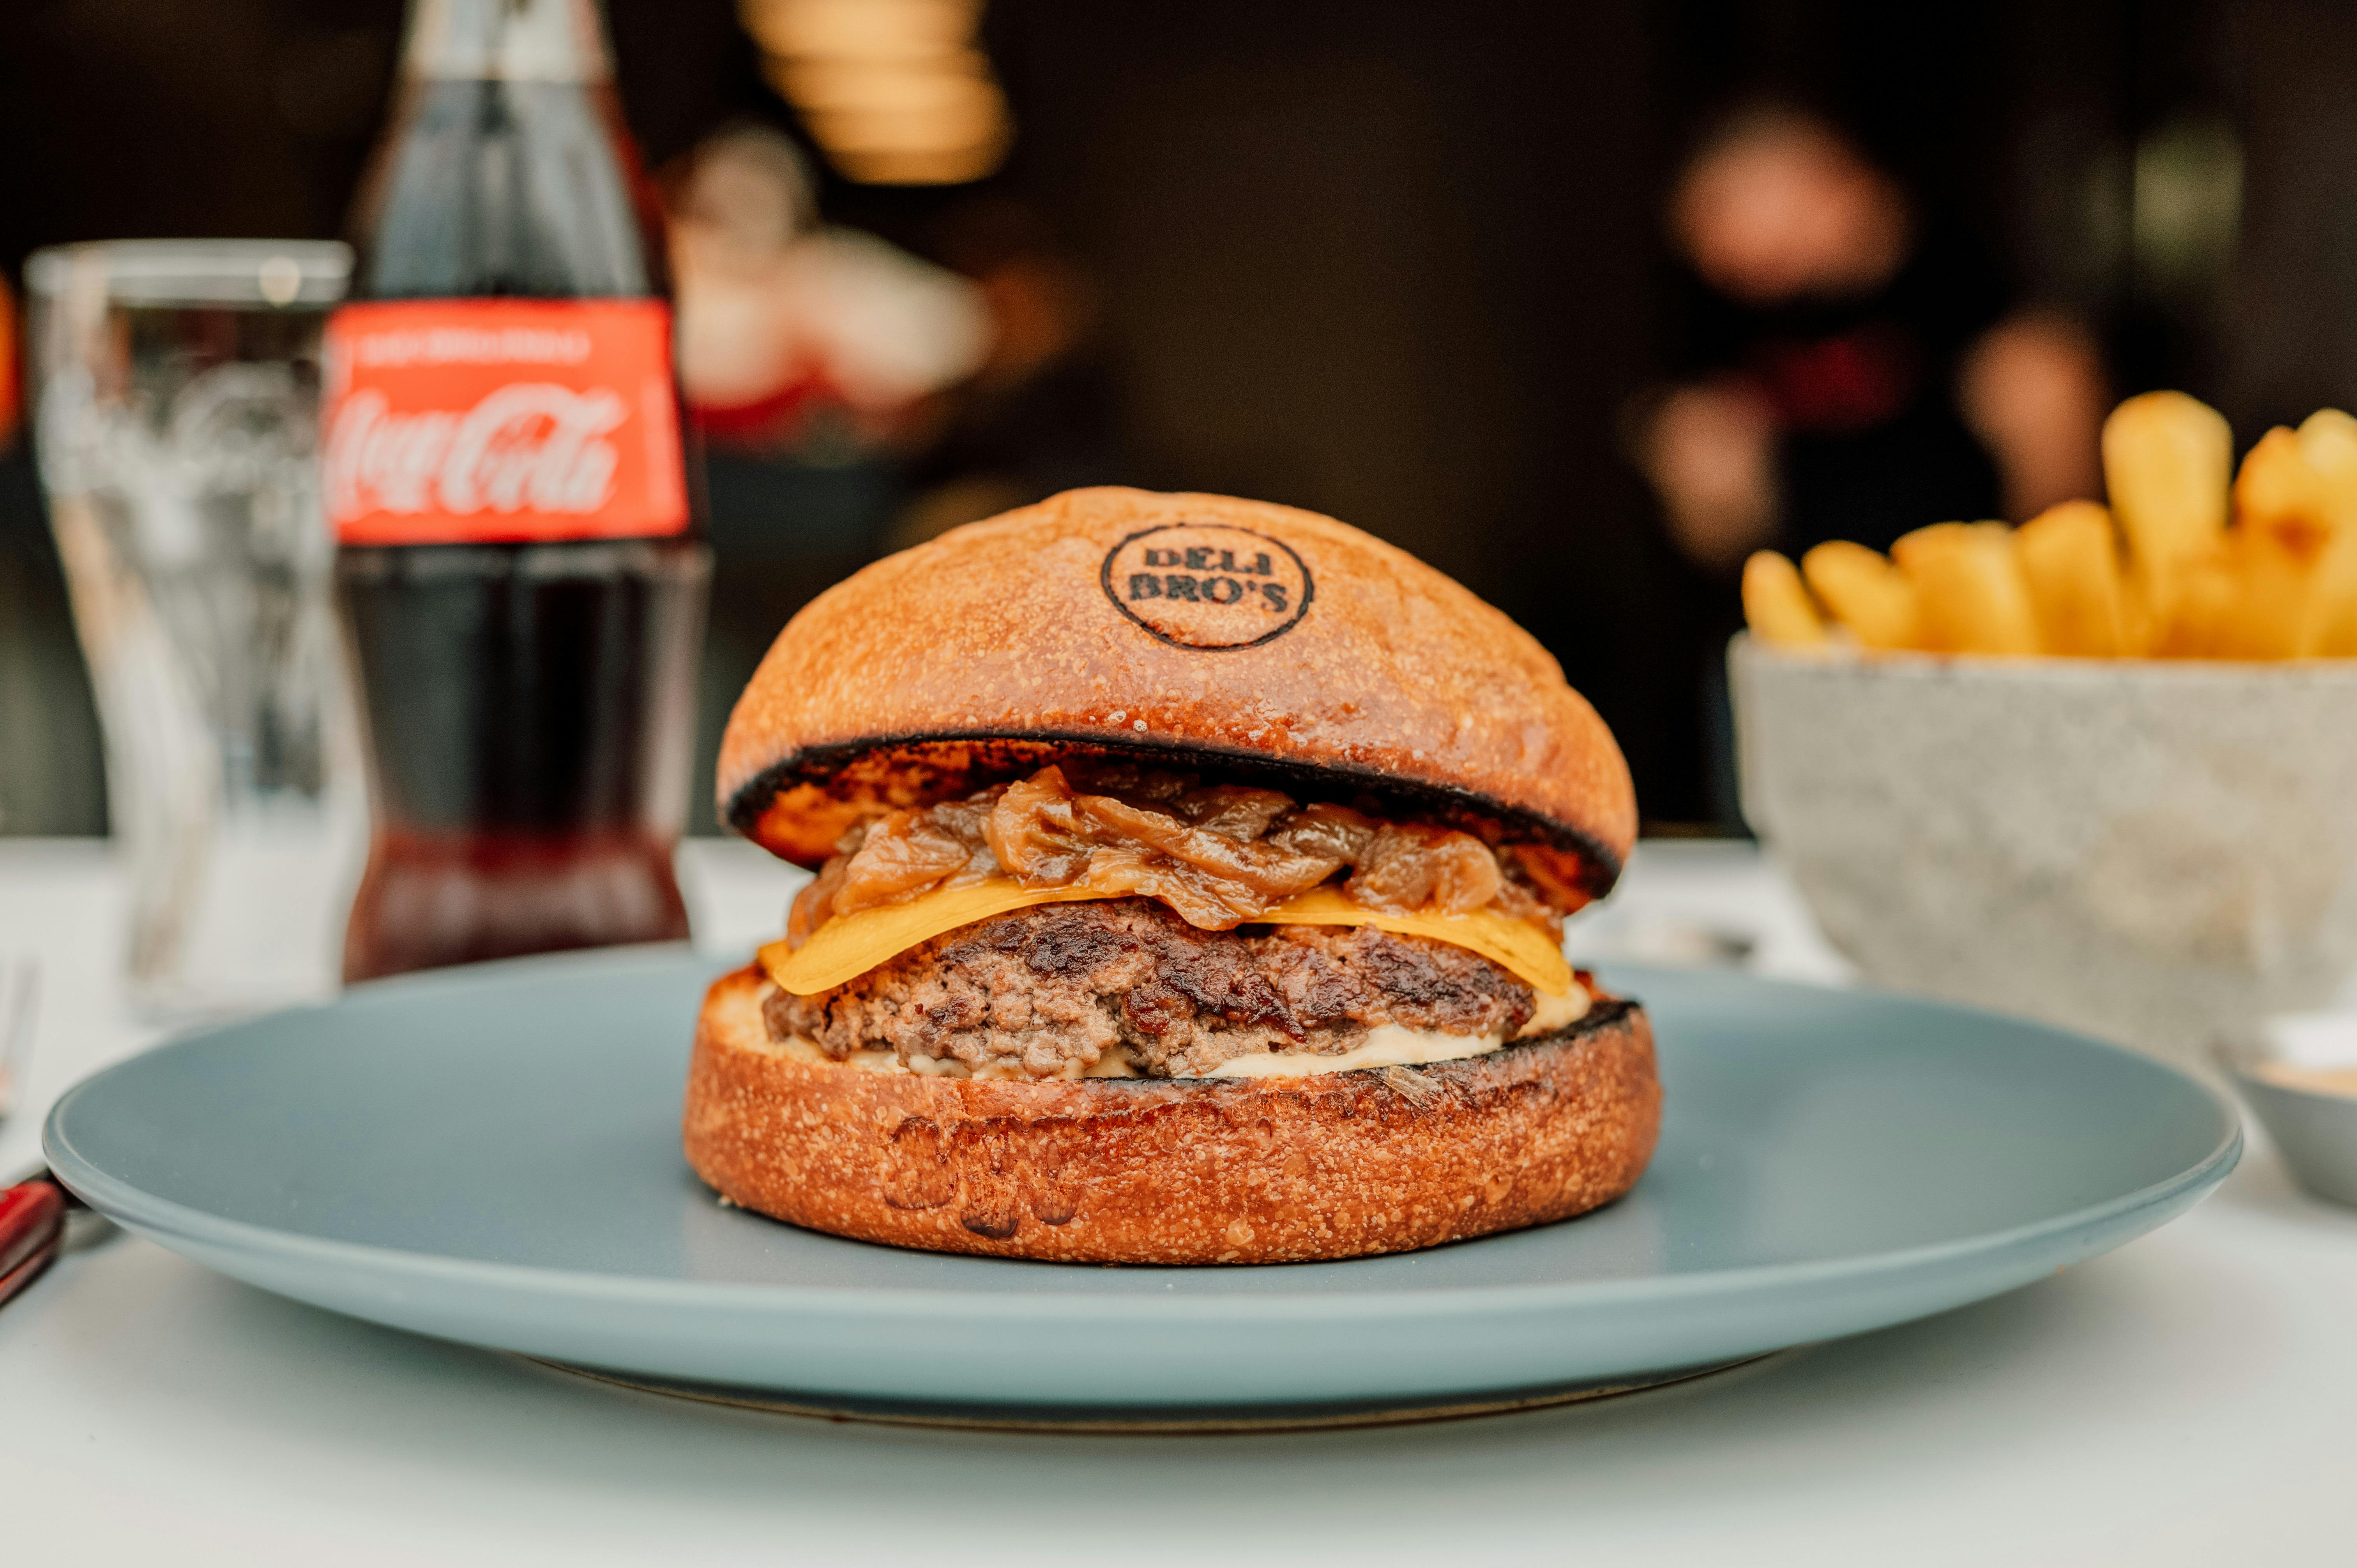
1232 638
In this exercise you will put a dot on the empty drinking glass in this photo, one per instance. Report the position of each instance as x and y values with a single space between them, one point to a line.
176 386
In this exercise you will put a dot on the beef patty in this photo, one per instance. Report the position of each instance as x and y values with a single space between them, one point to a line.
1046 992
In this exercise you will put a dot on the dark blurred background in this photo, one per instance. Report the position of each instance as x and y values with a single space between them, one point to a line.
1415 266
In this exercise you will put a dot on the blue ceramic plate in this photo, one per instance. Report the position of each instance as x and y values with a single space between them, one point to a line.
492 1155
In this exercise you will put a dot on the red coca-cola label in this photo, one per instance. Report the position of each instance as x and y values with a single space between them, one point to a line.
483 421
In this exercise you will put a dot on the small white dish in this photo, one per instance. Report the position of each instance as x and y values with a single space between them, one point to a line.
2311 1114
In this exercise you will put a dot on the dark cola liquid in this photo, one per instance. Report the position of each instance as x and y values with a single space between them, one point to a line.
529 707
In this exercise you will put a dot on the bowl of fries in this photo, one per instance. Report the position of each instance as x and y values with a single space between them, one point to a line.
2100 769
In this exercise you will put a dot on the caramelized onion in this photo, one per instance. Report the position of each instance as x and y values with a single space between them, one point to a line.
1412 866
905 853
1221 855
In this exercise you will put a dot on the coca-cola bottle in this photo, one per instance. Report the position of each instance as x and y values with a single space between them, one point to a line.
518 569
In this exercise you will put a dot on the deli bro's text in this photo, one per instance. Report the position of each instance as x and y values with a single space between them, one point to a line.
1224 589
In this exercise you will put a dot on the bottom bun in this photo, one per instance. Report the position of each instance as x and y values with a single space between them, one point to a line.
1172 1170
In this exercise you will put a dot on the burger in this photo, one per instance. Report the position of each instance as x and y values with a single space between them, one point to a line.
1191 880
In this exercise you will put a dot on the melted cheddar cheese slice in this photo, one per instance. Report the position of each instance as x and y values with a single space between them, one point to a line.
850 945
1511 944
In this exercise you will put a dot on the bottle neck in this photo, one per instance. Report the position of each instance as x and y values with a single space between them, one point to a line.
513 40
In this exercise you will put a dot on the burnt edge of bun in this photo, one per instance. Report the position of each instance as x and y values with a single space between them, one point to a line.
1603 1012
817 765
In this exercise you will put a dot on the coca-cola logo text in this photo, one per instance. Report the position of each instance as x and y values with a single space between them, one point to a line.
530 445
473 346
500 421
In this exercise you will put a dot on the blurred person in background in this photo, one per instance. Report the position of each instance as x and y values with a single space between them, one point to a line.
812 357
1041 415
1854 369
797 338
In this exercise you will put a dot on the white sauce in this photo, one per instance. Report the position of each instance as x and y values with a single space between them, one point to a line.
1388 1046
1392 1046
1554 1013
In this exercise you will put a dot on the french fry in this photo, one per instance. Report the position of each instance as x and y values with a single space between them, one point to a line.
2279 492
1864 592
1776 603
2329 619
2268 616
2193 624
2328 439
1969 588
2167 461
2195 559
2071 560
2142 622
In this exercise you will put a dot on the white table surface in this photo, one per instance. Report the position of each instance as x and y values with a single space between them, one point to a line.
2187 1399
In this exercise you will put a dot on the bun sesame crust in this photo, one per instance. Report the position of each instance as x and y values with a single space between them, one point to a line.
1235 637
1172 1170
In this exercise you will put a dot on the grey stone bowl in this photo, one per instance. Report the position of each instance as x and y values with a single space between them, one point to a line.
2160 853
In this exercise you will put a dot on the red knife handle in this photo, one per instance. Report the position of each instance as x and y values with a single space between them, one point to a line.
32 1218
23 1274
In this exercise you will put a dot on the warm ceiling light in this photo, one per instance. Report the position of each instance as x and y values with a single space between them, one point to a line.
950 125
828 87
953 166
861 29
894 92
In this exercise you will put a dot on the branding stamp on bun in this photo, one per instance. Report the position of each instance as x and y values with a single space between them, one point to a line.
1208 586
